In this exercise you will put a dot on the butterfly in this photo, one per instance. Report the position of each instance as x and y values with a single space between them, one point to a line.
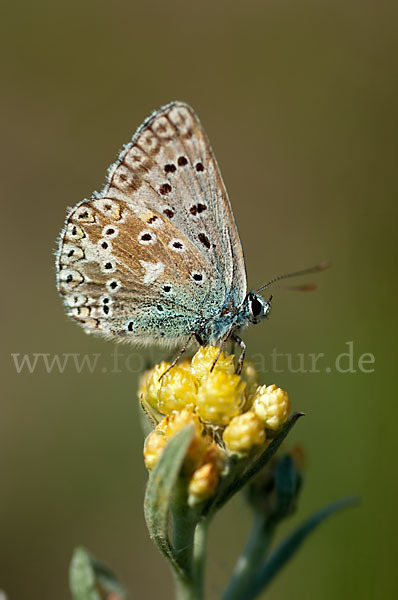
156 258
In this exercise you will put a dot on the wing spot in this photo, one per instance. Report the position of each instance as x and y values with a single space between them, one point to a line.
165 189
196 209
169 213
167 289
182 161
76 300
198 277
177 245
147 237
71 277
199 167
84 213
110 232
130 326
170 168
108 266
204 240
113 285
152 219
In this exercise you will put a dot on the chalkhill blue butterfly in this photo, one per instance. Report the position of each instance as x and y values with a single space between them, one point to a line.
156 256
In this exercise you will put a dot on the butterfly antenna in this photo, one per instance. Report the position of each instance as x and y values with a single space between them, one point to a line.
319 267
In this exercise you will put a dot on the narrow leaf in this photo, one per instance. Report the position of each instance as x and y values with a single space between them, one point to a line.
161 484
292 543
91 580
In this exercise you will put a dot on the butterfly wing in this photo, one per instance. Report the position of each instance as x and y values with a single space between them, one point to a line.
157 252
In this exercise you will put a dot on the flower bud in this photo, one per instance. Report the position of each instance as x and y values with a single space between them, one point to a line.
272 405
150 385
204 359
221 396
177 390
153 448
243 433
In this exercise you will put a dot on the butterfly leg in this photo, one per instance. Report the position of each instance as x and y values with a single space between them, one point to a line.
224 341
242 345
181 352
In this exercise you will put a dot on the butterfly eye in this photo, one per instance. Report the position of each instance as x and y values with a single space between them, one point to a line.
258 308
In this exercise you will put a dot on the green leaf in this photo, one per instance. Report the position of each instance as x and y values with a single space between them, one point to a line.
287 485
159 493
91 580
292 543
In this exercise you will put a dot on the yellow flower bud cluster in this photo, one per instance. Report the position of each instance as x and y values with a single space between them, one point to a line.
230 413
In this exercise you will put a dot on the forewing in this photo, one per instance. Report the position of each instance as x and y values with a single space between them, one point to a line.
170 165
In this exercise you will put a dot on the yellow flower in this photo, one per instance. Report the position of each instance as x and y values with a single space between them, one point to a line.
217 403
205 478
177 390
244 432
153 448
221 396
150 385
203 483
204 359
169 427
272 405
250 375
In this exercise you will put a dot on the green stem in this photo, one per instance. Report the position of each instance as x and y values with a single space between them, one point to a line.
192 587
189 543
185 589
199 555
248 563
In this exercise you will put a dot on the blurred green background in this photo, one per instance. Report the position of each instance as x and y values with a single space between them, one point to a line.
299 100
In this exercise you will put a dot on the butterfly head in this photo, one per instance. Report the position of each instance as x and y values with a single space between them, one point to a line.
256 307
